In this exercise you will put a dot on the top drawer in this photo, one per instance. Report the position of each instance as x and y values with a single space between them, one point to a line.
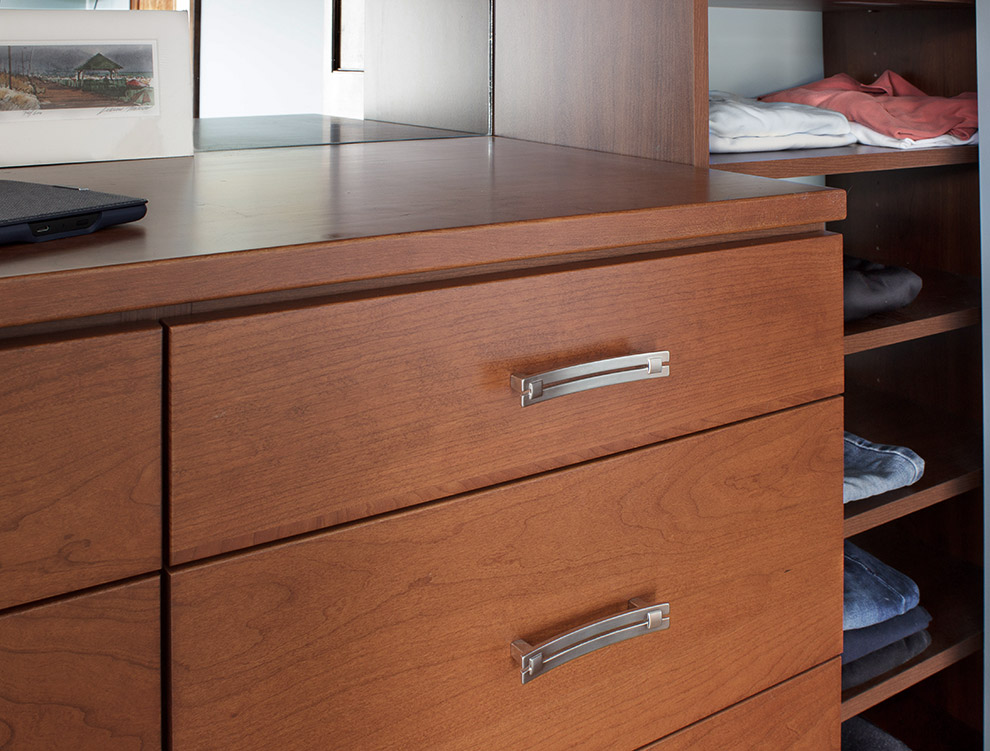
288 421
80 462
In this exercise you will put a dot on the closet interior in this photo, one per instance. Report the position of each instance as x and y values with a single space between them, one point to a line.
912 377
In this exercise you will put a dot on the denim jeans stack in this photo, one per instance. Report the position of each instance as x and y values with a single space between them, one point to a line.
883 624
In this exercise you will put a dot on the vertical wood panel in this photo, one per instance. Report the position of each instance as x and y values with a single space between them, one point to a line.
623 77
933 48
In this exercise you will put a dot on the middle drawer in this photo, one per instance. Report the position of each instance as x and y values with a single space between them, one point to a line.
395 633
288 421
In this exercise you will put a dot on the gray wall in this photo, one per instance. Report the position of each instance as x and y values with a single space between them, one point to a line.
754 52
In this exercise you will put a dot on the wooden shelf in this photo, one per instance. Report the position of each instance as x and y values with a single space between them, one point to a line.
946 302
951 450
856 158
952 593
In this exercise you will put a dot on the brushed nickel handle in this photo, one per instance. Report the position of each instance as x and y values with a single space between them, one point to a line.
590 375
536 661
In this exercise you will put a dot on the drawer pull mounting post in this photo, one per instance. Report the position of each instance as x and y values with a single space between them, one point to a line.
641 619
590 375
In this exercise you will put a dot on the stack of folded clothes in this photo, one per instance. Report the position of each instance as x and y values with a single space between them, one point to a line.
869 288
883 624
738 124
861 735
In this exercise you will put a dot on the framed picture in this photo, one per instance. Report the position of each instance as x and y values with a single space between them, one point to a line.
79 86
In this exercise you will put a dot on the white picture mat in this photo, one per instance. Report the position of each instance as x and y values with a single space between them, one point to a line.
53 137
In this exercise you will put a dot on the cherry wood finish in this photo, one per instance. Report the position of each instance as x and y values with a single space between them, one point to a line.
565 70
237 223
812 719
383 402
80 462
946 302
83 673
395 633
839 160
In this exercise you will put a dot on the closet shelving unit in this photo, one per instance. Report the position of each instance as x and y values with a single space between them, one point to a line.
913 376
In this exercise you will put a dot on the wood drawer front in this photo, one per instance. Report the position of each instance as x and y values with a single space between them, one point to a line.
83 673
80 462
286 422
799 715
394 633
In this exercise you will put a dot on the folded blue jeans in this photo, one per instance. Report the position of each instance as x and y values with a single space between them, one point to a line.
874 468
862 735
873 592
877 663
862 641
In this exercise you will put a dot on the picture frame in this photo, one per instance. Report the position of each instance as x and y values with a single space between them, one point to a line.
82 86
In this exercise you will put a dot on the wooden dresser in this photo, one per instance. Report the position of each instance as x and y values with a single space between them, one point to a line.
267 479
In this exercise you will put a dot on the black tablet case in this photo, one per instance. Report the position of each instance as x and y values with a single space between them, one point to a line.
34 212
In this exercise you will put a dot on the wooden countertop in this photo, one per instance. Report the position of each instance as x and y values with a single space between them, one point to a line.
226 224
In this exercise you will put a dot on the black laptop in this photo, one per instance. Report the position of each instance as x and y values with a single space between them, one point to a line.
33 212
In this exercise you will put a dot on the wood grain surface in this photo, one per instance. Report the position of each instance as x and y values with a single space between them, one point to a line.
80 462
286 422
564 70
933 47
395 633
925 218
234 223
82 673
799 715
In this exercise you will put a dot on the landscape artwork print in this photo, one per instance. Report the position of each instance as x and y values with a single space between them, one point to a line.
80 80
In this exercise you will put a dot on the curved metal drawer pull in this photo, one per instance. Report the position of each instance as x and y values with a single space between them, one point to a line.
590 375
535 661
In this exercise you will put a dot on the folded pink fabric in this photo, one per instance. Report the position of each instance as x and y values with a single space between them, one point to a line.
890 105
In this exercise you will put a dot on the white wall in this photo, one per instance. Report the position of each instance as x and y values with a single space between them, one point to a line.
754 52
261 58
65 5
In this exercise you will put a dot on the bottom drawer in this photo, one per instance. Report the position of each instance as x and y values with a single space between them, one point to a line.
82 673
395 633
799 715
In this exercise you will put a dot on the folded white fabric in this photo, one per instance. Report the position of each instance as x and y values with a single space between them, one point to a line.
732 116
870 137
720 145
